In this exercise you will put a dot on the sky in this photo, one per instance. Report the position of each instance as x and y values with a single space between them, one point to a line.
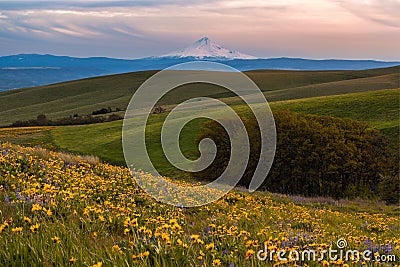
346 29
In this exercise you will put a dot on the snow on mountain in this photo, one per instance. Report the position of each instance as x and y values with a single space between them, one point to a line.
206 48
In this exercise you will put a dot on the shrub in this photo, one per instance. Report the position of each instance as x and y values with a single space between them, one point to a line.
315 156
72 120
101 111
389 188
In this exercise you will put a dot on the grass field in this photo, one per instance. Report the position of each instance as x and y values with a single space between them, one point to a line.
61 209
71 211
379 108
85 96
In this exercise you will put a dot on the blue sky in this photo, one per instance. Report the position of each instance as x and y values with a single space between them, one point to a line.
354 29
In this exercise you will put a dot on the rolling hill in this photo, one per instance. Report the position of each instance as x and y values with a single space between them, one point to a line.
380 108
84 96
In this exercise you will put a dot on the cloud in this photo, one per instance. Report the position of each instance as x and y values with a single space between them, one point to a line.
32 4
385 12
320 28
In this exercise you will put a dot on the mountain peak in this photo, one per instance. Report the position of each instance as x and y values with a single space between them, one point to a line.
206 48
203 40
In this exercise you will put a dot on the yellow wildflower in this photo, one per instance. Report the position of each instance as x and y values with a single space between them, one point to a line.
17 230
210 246
56 239
36 207
249 253
34 228
216 262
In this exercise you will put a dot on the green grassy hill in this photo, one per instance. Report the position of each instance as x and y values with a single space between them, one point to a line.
84 96
379 108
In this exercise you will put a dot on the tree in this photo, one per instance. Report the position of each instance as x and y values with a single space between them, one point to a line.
315 155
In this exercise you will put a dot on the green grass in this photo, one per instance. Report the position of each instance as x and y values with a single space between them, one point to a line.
379 108
89 198
84 96
104 140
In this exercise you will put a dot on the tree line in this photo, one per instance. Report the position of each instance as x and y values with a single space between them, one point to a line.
315 156
42 120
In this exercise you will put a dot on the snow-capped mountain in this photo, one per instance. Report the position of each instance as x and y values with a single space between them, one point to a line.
206 48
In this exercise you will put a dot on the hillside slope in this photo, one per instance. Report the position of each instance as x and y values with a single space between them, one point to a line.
84 96
92 214
379 108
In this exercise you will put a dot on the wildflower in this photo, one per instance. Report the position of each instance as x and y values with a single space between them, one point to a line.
250 243
117 249
36 207
27 219
94 234
127 222
48 211
141 255
194 236
146 254
165 237
72 260
34 228
325 263
196 239
249 253
99 264
210 246
17 230
56 239
8 221
216 262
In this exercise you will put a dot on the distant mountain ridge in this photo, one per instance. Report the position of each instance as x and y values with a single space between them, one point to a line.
27 70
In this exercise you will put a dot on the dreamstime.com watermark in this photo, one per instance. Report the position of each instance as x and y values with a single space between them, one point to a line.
340 254
147 97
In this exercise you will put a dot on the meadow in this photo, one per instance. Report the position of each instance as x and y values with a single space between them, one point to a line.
82 97
378 108
58 209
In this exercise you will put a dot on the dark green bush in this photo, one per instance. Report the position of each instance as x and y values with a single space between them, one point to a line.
389 187
315 156
72 120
